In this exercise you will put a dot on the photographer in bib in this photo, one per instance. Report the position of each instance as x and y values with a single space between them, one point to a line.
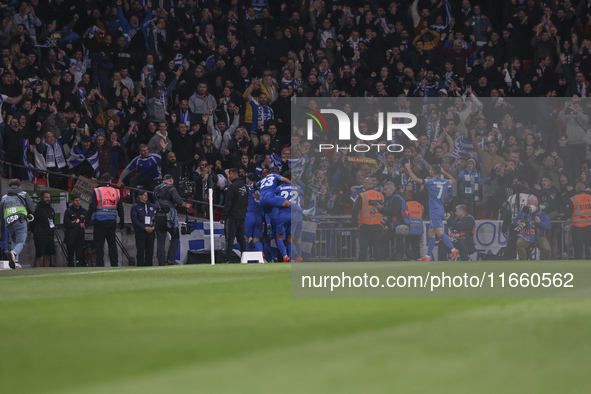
461 231
166 220
15 209
532 225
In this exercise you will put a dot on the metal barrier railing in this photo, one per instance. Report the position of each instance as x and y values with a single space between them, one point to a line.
338 241
8 167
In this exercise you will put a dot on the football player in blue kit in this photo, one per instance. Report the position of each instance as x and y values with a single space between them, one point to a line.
253 223
289 222
269 200
436 188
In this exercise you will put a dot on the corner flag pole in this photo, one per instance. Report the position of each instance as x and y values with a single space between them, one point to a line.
211 240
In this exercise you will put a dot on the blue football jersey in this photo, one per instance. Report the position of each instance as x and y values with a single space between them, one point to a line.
291 192
436 188
254 205
269 184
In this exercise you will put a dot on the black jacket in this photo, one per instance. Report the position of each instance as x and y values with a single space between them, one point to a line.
235 201
139 211
167 195
464 225
392 209
44 215
13 145
72 219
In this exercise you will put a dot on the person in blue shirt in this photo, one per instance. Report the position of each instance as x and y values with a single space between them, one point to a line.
288 223
149 169
436 188
253 222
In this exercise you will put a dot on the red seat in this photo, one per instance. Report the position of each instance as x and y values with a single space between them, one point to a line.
40 182
480 211
526 65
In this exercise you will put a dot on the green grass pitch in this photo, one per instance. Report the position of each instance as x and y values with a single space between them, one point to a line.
236 329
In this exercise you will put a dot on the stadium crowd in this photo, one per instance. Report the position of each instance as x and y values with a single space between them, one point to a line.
139 89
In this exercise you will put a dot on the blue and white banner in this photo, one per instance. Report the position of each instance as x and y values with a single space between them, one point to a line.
178 60
199 240
488 238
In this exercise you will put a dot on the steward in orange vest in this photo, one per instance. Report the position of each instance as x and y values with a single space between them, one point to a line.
578 208
367 217
413 239
105 206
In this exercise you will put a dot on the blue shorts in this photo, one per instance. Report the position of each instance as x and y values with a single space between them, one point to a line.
436 219
253 225
269 201
283 221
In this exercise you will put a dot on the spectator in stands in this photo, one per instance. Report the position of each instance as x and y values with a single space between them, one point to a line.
549 166
52 150
470 185
204 179
83 159
157 100
183 143
548 195
148 165
201 100
170 166
13 146
575 122
489 159
261 112
160 143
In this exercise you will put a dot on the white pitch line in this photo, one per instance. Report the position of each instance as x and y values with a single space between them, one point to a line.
100 272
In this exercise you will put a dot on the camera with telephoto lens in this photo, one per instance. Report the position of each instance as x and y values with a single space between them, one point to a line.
186 187
373 203
534 209
188 227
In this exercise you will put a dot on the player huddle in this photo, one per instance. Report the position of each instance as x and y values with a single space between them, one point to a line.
275 205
